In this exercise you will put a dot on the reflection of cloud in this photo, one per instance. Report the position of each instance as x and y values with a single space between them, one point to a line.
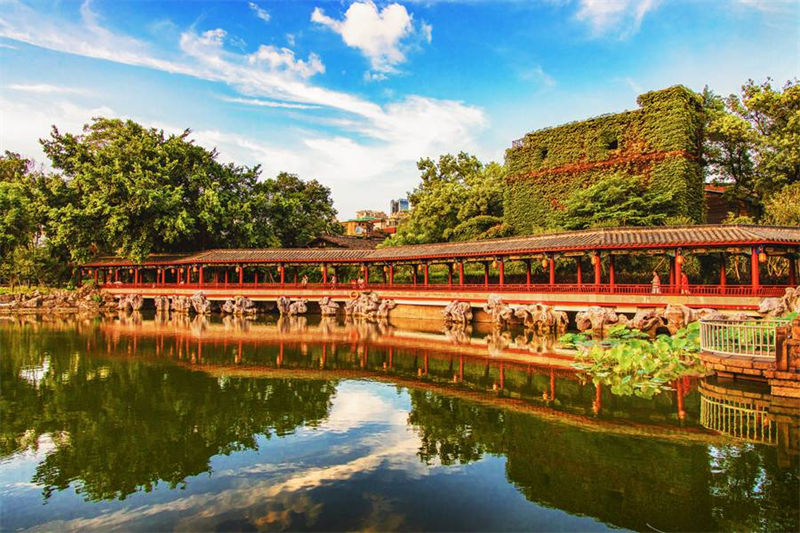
277 493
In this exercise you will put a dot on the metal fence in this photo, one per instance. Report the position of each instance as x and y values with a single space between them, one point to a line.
754 338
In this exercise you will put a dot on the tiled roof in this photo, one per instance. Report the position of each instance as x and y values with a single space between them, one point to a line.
584 240
348 241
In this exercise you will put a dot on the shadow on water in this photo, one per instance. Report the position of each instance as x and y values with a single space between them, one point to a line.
133 403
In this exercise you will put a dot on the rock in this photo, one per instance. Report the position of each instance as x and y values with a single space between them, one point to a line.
129 302
777 307
647 320
328 307
500 312
239 306
298 307
180 304
597 318
162 304
200 304
542 318
457 313
369 305
678 317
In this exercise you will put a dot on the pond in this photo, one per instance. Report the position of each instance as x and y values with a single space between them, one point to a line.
137 423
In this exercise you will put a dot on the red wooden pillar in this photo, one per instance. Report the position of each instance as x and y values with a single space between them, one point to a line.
502 268
391 274
755 280
723 267
136 275
116 275
282 271
226 276
366 273
449 273
255 277
579 271
324 273
527 271
425 274
241 274
95 277
551 263
200 276
295 275
461 272
598 270
414 273
678 271
485 274
792 270
611 278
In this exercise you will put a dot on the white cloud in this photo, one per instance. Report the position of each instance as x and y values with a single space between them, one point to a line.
44 88
259 11
283 59
267 103
608 16
376 33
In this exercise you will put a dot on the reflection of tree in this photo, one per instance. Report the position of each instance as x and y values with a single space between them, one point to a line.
129 425
621 480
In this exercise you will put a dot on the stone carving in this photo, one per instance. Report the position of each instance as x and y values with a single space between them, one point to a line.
180 304
131 302
200 304
678 317
542 318
162 304
500 312
457 314
776 307
370 306
328 307
240 306
597 318
292 308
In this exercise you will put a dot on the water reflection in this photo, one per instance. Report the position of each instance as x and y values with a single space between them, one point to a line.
269 414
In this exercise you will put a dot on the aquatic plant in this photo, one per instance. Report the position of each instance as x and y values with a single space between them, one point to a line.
630 363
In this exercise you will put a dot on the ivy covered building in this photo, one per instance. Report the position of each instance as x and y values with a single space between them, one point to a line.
659 144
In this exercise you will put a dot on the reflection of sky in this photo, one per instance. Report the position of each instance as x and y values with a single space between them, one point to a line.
358 470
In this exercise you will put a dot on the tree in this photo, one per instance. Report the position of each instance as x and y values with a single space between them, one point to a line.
753 139
617 200
453 191
783 209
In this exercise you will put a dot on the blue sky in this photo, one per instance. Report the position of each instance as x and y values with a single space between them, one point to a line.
353 93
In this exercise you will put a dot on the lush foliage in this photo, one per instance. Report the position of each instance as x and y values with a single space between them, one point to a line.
129 190
459 198
630 362
552 164
783 208
753 139
616 200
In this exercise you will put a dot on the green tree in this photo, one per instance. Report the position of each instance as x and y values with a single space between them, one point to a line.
617 200
783 209
453 191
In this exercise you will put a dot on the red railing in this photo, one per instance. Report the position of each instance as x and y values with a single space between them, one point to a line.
544 288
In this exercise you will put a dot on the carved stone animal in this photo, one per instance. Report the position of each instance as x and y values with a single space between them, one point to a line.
328 307
501 313
368 305
457 313
597 318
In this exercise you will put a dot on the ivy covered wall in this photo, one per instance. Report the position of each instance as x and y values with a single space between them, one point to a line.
659 143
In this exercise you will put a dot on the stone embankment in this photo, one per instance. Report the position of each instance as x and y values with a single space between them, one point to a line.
86 300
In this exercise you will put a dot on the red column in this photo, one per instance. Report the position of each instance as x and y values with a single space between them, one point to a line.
461 272
754 270
391 274
611 279
200 276
241 274
486 274
295 275
449 273
598 270
414 272
792 270
551 263
528 271
502 273
136 275
255 277
366 273
723 280
226 275
678 270
425 273
95 277
324 273
579 271
282 270
116 274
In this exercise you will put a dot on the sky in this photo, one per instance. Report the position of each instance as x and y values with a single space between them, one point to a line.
353 93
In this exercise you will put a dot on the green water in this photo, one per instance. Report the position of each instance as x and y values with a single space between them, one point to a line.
137 424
